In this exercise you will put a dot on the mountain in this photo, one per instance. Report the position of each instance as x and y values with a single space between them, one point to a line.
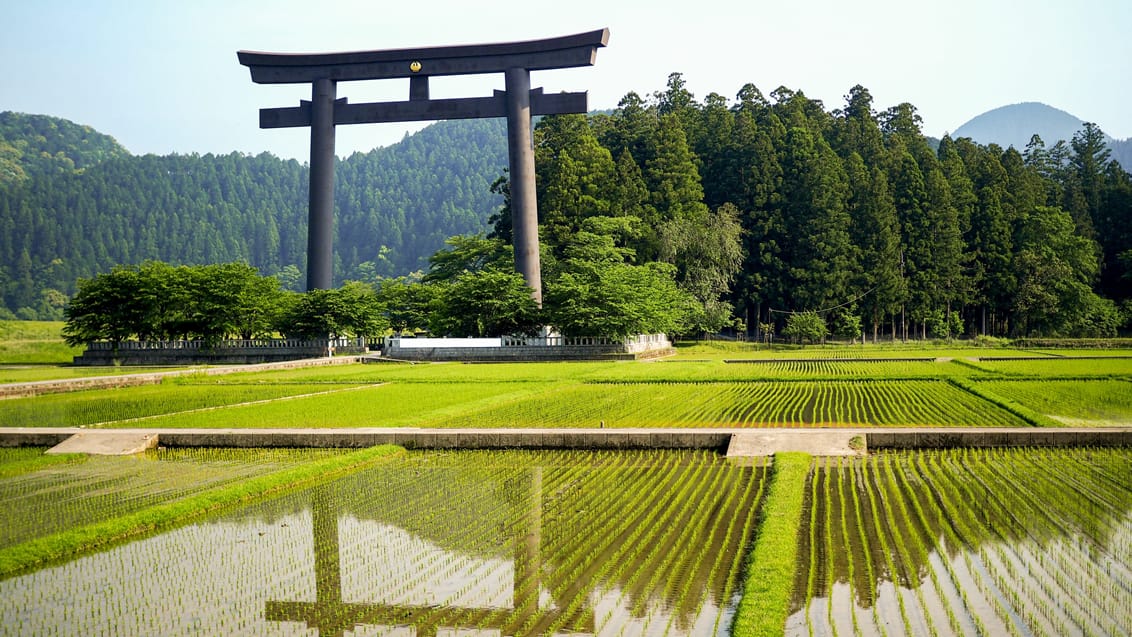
1122 152
1014 125
74 203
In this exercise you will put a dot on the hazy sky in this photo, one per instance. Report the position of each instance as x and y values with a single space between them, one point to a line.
162 76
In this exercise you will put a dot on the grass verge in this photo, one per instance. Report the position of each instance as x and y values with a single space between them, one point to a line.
61 545
771 564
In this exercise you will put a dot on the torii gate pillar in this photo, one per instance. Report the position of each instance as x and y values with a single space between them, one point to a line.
518 103
521 158
320 226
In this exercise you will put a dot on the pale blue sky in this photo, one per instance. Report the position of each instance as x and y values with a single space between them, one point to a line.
162 77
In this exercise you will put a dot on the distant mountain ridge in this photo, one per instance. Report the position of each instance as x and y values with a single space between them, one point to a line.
1015 124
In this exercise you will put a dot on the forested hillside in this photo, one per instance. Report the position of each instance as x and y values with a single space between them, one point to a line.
33 145
73 203
756 208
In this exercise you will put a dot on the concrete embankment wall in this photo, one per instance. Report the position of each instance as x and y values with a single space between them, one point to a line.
718 438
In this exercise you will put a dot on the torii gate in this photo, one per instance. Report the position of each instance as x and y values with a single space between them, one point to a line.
518 102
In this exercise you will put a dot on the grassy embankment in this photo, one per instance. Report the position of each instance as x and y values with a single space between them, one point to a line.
773 560
39 342
83 538
34 350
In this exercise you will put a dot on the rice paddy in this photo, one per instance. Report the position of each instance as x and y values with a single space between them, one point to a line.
63 495
1020 542
997 542
912 391
1010 542
646 543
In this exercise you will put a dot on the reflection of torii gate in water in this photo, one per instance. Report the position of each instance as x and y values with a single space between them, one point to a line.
518 103
330 616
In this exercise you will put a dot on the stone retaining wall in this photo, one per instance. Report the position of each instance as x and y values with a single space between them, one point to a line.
227 352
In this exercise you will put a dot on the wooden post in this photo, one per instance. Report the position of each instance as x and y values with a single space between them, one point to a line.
320 231
521 157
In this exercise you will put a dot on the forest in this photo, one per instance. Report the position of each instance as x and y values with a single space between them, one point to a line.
757 208
74 204
849 213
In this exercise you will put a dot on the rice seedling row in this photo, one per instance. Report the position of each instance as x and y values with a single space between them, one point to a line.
394 405
525 543
1022 542
742 404
1060 572
1094 400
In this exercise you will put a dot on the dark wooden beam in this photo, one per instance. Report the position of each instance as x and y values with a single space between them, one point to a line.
424 110
551 53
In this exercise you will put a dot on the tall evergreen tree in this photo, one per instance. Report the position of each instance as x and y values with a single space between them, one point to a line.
818 255
875 232
1091 155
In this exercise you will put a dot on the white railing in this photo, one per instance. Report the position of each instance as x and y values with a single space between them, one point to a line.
634 344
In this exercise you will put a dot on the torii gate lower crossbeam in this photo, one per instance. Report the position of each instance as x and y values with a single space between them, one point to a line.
518 102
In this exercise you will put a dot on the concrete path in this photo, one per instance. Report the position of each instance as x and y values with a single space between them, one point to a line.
813 440
828 442
106 443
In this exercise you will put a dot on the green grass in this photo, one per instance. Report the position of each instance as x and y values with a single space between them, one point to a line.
34 342
442 372
718 350
124 405
30 373
1106 401
79 537
393 405
1066 366
769 580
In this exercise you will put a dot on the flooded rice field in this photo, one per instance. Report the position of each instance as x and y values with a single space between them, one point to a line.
513 543
991 542
645 543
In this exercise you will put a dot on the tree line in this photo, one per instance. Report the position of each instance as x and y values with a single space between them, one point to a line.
471 289
768 207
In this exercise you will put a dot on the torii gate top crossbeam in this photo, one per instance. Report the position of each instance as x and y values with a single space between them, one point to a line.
552 53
